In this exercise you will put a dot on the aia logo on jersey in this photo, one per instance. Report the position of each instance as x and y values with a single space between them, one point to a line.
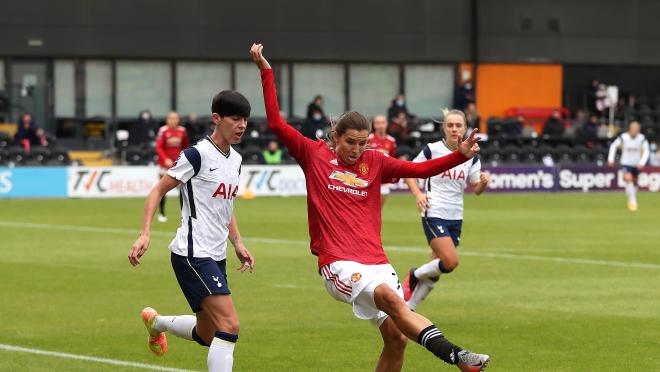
452 174
348 179
226 191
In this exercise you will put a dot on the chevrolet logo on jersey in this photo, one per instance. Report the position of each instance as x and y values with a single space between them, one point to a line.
348 178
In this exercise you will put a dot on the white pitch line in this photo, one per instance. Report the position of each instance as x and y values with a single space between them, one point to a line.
90 358
508 256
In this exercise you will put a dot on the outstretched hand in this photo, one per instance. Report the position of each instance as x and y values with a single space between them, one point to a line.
256 52
469 148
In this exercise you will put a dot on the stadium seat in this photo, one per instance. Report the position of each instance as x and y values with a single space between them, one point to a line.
582 155
494 127
252 155
511 154
529 154
4 139
562 154
38 154
16 154
3 157
149 156
134 155
58 156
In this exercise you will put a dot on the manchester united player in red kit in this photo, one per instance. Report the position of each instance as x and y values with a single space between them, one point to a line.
172 139
343 204
379 140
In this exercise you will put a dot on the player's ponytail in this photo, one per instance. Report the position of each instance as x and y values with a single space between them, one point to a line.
350 120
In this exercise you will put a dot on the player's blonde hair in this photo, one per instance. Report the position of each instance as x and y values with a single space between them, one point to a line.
446 112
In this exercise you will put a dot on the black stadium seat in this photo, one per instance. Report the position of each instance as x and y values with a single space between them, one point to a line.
134 155
16 154
252 155
511 154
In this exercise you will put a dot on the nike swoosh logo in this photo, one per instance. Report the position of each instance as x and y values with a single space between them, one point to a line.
212 169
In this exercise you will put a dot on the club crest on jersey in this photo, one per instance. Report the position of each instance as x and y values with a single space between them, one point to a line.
226 191
356 277
364 169
348 179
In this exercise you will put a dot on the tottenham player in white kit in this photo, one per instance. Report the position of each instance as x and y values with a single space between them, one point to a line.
208 175
634 155
442 208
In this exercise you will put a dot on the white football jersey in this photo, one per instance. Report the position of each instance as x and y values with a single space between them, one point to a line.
634 151
209 186
445 191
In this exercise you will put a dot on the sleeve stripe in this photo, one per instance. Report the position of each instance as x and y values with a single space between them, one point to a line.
427 152
192 154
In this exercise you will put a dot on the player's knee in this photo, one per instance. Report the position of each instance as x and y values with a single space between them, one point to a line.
448 264
391 303
628 177
396 341
231 326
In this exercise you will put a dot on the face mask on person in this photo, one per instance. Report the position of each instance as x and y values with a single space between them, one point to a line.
400 102
146 116
317 117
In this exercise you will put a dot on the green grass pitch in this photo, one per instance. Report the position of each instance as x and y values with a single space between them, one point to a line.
547 282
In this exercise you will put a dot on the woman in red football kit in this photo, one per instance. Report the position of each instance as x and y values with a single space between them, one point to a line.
343 181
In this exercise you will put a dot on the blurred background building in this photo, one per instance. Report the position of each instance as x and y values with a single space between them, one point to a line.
88 71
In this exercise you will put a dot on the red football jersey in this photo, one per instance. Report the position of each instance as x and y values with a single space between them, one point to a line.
170 143
386 145
343 201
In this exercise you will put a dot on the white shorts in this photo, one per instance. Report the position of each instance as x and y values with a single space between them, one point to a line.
354 283
385 188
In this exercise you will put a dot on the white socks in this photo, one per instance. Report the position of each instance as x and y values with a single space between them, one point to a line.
631 190
180 325
221 352
429 269
423 288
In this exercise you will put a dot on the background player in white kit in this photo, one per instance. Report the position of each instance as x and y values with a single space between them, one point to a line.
442 208
634 155
208 173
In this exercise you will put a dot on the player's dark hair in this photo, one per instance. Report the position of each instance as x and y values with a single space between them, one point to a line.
230 103
350 120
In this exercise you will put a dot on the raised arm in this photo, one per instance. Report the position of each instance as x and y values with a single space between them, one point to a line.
394 168
290 137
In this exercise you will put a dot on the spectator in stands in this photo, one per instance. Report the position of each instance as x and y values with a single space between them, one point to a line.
197 129
44 139
399 128
589 133
513 127
314 125
463 95
473 116
397 107
315 108
272 154
141 132
553 127
26 135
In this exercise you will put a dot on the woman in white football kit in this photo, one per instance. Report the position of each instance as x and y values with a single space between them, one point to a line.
634 155
208 174
442 209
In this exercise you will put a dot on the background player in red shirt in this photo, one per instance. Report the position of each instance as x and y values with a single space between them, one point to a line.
381 141
343 181
172 139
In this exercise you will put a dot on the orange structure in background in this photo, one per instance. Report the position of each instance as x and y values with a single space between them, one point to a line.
501 87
